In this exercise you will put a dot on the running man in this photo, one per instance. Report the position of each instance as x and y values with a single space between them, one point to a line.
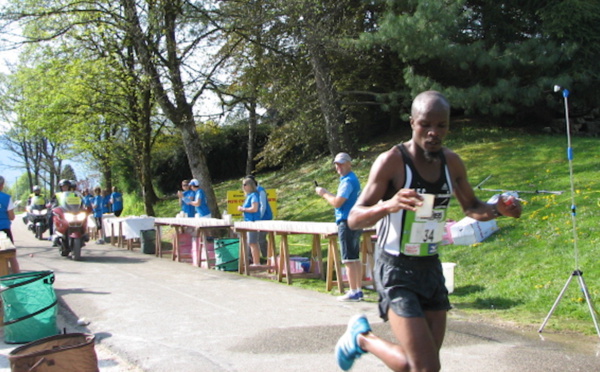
408 271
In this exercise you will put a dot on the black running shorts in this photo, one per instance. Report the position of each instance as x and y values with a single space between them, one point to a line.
410 285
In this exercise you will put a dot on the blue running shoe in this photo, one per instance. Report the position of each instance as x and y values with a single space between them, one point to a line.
351 297
347 349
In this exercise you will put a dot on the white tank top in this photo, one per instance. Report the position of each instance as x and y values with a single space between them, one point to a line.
404 232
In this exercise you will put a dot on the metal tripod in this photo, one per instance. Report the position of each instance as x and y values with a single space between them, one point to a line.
588 299
576 273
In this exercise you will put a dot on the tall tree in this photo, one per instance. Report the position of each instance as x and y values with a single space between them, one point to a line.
109 96
244 25
489 57
164 57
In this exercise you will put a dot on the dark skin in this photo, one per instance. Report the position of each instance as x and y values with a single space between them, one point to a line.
419 338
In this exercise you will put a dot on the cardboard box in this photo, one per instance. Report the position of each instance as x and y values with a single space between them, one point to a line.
470 231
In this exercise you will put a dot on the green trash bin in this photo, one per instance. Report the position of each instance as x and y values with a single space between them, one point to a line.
30 306
227 254
148 241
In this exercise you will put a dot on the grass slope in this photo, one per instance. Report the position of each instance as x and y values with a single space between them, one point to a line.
516 274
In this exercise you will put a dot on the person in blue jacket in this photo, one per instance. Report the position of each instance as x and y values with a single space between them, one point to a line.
116 201
251 210
7 211
7 215
199 201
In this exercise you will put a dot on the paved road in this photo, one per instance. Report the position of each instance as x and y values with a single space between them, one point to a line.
152 314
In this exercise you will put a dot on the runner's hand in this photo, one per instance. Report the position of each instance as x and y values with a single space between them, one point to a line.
407 199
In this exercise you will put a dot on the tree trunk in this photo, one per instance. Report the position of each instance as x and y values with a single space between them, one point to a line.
140 104
178 109
252 123
197 161
337 137
146 173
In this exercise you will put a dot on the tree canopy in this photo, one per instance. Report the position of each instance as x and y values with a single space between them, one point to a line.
118 80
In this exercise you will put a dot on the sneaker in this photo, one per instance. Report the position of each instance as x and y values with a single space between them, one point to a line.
347 349
100 241
351 297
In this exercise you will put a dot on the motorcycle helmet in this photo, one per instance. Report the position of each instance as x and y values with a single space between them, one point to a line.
36 188
64 182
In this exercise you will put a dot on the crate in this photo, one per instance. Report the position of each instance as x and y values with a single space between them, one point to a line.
185 247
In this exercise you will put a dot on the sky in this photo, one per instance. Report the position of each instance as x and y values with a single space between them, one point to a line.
7 168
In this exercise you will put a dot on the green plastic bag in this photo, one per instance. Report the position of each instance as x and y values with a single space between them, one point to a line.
29 305
227 254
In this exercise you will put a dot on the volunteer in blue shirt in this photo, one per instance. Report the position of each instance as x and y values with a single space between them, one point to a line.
7 211
7 215
266 214
106 202
87 199
98 207
116 201
185 199
199 201
251 210
343 201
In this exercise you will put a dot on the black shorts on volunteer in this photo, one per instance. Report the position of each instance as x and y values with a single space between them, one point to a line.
349 242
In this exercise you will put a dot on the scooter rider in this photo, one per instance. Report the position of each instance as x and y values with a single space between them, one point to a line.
65 197
36 198
37 201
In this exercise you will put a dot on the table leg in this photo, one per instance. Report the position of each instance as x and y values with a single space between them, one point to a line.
271 251
175 252
120 237
316 260
330 268
284 260
203 249
198 247
158 242
333 262
243 261
112 233
366 253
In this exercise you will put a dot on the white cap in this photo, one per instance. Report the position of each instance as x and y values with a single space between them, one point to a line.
342 158
194 182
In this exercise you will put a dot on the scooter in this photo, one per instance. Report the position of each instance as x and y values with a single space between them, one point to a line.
37 220
70 229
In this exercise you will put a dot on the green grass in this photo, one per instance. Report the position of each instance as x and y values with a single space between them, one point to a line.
516 274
